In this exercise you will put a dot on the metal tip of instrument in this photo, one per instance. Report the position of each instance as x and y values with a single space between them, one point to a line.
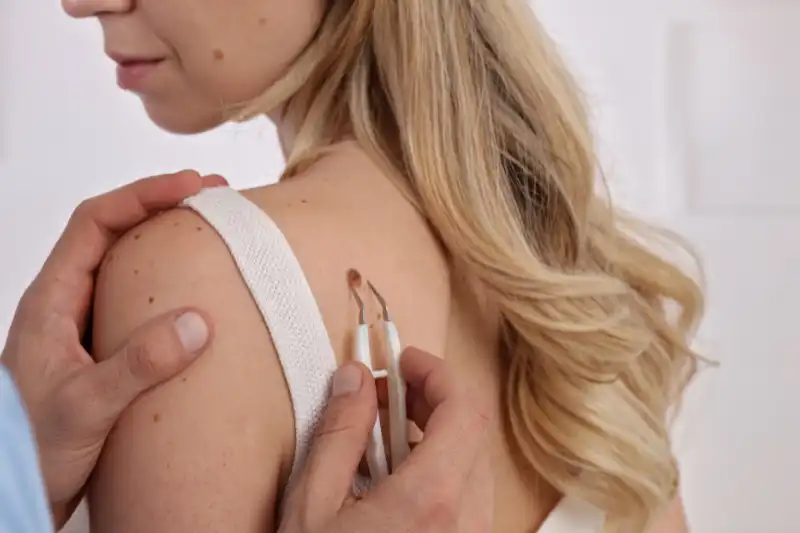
362 319
384 308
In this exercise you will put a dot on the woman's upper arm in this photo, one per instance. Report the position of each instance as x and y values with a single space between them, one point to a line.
208 450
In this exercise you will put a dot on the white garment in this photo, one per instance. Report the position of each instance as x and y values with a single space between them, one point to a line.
282 294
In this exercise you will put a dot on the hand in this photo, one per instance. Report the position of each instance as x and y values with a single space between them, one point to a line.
73 402
446 483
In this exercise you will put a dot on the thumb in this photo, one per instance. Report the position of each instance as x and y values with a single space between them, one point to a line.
340 441
153 354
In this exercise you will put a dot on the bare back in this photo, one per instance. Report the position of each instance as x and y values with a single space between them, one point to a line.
212 450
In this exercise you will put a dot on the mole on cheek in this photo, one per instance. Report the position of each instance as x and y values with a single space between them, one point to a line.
219 55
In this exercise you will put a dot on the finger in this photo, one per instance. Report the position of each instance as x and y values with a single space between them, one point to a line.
66 280
214 180
340 441
477 503
155 353
454 422
430 384
96 222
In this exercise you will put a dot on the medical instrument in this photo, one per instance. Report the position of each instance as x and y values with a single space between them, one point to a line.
398 424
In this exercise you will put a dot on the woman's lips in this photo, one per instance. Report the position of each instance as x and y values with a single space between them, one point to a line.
133 73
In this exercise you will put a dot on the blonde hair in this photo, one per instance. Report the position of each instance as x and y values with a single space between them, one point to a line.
468 102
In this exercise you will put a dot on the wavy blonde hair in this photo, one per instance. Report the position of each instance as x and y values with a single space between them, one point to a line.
468 103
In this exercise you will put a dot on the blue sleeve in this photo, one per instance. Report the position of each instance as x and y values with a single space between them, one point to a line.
23 505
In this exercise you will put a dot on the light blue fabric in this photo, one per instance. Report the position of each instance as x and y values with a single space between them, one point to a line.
23 505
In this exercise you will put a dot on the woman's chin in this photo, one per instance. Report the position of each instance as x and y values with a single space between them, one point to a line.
183 119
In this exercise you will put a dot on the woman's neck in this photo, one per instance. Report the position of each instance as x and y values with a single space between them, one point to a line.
286 129
288 120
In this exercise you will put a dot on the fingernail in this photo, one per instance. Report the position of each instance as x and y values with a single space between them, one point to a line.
347 380
192 331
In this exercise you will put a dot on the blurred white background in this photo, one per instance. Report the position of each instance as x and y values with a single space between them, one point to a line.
697 113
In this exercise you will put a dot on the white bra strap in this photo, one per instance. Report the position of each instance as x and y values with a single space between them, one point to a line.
280 289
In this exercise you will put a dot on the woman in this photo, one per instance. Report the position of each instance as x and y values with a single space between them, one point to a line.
441 148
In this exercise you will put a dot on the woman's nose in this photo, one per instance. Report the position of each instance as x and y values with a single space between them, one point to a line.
93 8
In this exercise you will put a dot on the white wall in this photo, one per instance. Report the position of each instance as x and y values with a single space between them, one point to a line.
699 133
703 97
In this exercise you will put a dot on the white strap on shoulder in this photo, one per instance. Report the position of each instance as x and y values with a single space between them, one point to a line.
280 289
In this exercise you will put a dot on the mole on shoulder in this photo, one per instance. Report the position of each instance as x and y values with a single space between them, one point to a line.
199 228
137 236
219 54
156 418
151 299
262 21
135 271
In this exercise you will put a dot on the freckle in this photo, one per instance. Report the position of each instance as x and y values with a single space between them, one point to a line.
183 380
136 272
199 228
219 54
156 418
177 224
262 21
303 201
137 236
152 299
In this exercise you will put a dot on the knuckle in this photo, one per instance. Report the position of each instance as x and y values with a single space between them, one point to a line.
189 172
84 209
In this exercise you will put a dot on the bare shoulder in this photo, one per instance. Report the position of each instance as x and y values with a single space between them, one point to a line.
208 450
